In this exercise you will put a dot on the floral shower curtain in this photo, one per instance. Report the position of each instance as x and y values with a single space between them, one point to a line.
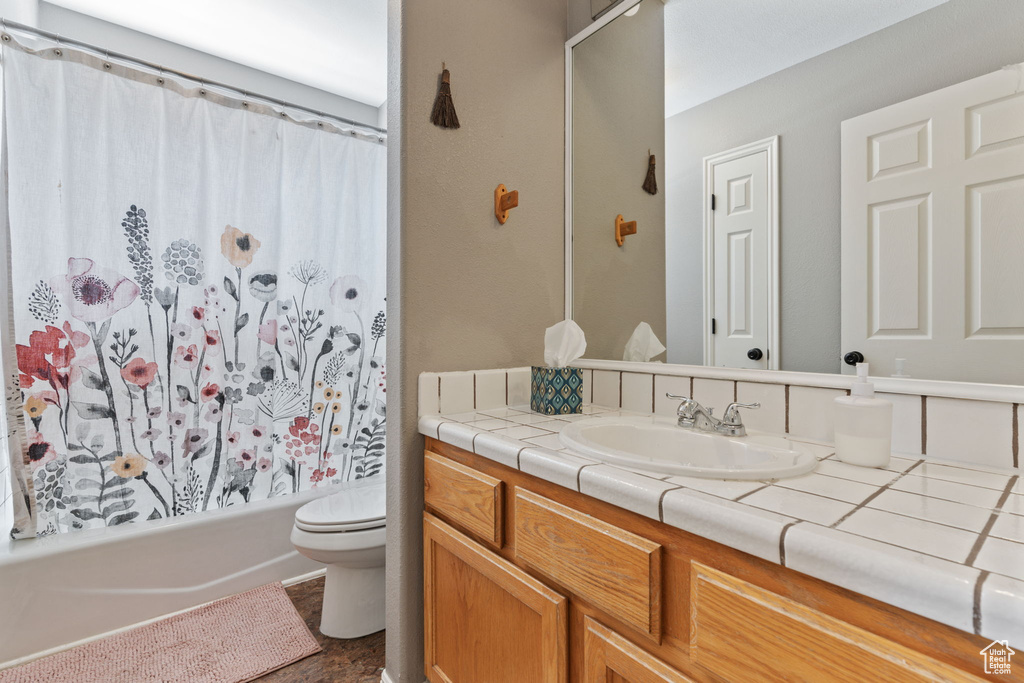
195 296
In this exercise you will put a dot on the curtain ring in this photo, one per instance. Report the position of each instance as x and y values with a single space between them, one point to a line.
202 88
106 58
160 76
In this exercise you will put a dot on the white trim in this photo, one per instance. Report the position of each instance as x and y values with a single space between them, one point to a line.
1004 393
590 30
84 641
771 147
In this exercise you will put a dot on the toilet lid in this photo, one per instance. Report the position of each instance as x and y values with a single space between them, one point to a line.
358 505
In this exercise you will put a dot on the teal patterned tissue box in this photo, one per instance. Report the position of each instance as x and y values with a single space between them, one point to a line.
556 391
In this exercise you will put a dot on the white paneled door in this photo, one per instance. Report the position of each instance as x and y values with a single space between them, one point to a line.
740 237
933 233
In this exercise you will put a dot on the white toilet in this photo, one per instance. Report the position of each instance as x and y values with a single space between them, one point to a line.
345 531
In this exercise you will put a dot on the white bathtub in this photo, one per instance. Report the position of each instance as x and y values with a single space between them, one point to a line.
62 589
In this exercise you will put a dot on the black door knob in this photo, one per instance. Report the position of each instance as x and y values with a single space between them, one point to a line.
853 357
755 354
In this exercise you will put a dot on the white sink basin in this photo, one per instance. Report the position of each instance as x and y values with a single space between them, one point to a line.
659 445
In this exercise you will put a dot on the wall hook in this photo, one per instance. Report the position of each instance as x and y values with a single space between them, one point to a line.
623 228
504 201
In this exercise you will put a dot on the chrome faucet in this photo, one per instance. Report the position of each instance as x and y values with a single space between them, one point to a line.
693 415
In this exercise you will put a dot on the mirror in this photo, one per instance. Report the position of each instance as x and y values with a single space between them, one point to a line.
835 178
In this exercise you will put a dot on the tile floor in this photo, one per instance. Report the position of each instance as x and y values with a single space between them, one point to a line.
341 661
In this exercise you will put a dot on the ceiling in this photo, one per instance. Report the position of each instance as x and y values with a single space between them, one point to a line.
715 46
339 46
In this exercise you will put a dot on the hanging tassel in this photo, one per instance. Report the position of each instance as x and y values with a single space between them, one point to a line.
650 182
444 114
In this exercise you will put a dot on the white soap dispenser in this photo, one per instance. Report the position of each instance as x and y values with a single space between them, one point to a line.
863 424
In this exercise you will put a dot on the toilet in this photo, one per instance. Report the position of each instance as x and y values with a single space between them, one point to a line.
345 531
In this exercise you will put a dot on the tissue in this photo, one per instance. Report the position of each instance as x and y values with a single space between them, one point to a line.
557 389
643 344
564 342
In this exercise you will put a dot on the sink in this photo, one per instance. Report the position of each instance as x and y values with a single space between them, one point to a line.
658 444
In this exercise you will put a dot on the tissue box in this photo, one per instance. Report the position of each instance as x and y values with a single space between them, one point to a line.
556 391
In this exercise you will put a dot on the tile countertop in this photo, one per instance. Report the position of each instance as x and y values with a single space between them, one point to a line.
938 538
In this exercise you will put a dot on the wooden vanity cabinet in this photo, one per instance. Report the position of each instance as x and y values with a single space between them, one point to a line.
570 588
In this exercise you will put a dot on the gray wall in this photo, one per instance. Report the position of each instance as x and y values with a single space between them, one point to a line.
124 40
617 118
463 291
805 105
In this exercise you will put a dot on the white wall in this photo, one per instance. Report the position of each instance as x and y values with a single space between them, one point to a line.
140 45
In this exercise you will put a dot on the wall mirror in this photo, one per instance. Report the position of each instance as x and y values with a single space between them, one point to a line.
836 179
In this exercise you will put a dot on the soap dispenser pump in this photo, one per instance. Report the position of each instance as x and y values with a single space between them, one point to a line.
863 424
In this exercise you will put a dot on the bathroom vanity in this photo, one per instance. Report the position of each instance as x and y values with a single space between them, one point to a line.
554 585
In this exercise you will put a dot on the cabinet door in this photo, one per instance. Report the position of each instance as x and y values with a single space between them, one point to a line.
486 620
610 658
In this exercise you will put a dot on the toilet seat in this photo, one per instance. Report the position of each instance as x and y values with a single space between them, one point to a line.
357 506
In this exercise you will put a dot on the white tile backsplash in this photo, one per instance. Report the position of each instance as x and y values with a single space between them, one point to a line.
606 388
519 386
771 416
906 422
713 393
982 428
490 389
456 392
588 387
637 392
811 412
429 392
668 384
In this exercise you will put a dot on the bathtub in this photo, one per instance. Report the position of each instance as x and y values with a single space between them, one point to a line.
62 589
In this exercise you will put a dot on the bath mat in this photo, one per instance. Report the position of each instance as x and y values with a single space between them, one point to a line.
236 639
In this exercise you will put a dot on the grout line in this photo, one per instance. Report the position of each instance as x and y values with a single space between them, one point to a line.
1016 435
787 409
506 390
924 425
620 390
474 392
580 472
874 495
519 464
735 391
661 503
983 536
976 612
691 387
762 488
653 393
782 542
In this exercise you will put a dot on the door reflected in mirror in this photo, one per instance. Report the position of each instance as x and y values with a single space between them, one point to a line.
836 180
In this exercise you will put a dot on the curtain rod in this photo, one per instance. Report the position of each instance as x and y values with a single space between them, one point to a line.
16 26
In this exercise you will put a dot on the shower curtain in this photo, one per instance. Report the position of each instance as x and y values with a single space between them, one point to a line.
194 296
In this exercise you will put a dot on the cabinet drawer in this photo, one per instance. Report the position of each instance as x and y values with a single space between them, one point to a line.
613 569
465 497
610 658
743 632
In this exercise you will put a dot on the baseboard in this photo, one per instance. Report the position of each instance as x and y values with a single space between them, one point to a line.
304 577
67 646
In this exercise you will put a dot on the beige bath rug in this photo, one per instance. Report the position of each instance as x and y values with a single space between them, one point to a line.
229 641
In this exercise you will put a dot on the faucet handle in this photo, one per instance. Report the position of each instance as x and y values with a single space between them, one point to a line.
687 407
732 413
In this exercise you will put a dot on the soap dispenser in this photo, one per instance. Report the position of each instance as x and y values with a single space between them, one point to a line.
863 424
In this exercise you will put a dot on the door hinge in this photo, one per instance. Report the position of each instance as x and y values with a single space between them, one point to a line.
713 324
712 202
